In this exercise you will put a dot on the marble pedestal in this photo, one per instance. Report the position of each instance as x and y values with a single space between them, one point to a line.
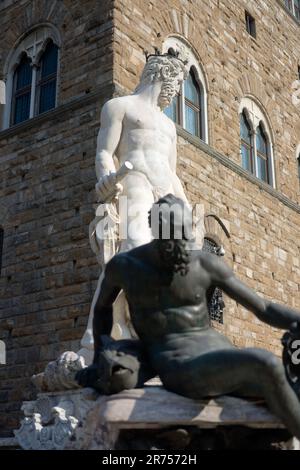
82 419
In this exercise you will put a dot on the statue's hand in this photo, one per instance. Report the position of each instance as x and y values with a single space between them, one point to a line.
108 188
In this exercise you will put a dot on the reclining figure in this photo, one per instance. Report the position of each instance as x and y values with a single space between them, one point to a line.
166 283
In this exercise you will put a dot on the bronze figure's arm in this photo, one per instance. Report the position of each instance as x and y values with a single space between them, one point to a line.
273 314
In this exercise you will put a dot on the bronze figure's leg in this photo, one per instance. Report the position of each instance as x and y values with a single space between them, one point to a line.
235 371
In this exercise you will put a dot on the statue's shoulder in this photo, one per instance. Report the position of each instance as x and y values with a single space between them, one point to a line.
171 125
208 260
213 264
127 260
118 103
169 121
116 270
117 261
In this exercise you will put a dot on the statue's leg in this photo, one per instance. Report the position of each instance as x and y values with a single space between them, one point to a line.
140 199
240 372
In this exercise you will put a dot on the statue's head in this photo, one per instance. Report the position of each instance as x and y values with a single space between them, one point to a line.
170 220
167 69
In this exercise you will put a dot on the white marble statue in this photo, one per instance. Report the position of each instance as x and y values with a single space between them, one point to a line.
136 142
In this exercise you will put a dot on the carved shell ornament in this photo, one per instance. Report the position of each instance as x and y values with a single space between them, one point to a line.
60 374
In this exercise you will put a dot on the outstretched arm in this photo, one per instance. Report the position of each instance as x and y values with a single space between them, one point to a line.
103 312
273 314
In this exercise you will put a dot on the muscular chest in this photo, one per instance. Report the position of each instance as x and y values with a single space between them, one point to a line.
154 288
149 123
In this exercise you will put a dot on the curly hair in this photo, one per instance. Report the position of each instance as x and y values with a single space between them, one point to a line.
160 68
167 218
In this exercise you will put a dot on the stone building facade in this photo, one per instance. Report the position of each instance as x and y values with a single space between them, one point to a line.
49 272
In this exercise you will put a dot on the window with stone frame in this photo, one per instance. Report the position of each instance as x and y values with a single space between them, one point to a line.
250 24
192 105
189 108
294 7
298 166
262 154
47 79
185 109
255 142
27 102
31 76
214 296
22 91
246 143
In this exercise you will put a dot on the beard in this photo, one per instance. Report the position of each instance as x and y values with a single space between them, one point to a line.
168 92
174 256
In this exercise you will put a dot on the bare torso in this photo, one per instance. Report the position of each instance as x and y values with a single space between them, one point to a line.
147 140
172 320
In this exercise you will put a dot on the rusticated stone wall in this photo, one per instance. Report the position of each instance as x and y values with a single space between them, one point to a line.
46 197
47 165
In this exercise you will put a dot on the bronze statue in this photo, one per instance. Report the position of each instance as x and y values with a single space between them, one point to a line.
166 283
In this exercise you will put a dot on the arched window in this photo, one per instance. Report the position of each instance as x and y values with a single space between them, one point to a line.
246 143
256 141
262 154
22 91
185 108
47 78
31 75
192 105
294 7
189 108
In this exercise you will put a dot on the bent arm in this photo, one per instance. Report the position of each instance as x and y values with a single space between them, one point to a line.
103 312
108 137
271 313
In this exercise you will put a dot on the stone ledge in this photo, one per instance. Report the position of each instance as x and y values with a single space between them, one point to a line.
83 419
102 91
231 165
8 442
155 407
